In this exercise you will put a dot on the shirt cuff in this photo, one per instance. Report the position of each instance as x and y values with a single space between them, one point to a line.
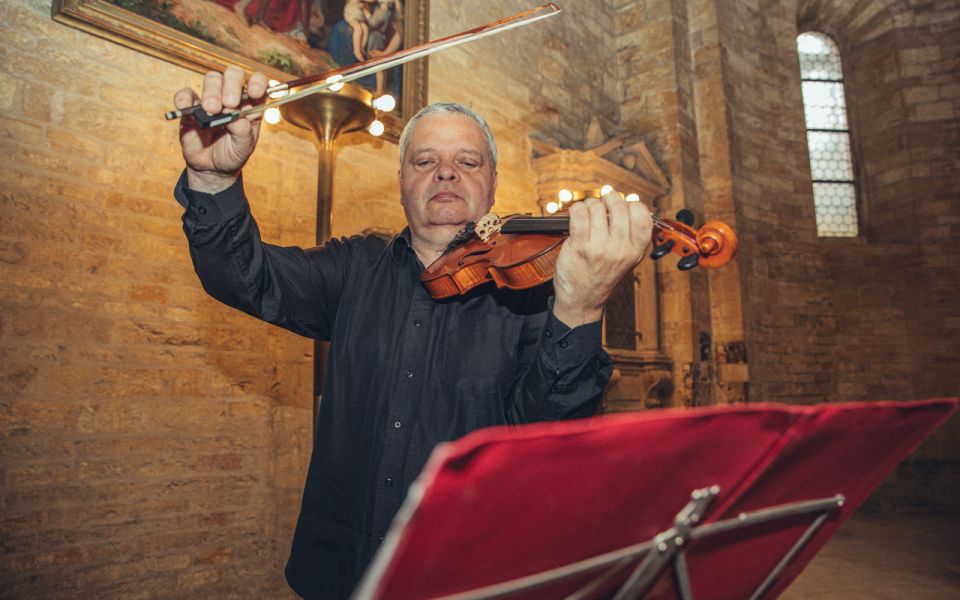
571 347
207 209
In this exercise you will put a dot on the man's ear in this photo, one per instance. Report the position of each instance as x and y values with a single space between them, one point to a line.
493 191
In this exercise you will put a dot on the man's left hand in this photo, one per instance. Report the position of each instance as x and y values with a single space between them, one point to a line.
608 237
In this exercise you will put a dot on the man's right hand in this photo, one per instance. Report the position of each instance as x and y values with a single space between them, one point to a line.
215 156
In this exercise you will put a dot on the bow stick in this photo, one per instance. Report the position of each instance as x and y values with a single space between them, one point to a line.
333 80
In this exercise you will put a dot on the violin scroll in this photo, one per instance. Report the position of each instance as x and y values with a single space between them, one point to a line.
713 245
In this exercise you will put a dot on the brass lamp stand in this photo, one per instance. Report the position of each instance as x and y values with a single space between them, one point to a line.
328 114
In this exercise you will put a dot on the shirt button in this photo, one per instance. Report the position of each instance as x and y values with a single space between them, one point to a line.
548 333
564 343
396 425
417 323
202 210
380 540
388 482
409 374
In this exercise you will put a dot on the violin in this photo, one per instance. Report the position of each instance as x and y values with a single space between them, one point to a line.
520 251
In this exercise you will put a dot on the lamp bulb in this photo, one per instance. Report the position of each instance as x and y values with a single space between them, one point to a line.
272 115
385 103
376 128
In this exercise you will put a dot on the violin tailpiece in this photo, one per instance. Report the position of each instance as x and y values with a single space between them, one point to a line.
465 235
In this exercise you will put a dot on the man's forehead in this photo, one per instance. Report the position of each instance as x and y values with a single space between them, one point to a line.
460 149
438 127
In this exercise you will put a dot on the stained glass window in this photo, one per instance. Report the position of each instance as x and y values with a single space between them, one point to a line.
828 136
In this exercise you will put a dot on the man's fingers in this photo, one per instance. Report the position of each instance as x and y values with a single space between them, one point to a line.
641 225
257 86
618 217
233 78
579 223
185 98
599 229
212 95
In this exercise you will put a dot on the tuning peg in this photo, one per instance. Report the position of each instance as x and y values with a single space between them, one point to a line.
661 251
685 217
688 262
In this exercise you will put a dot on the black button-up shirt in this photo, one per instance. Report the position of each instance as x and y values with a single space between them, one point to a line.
405 371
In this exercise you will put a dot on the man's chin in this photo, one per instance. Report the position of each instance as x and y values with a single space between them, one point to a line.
449 219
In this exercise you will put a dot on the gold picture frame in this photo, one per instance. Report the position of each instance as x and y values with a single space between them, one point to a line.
159 30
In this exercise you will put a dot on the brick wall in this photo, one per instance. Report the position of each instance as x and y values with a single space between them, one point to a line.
870 318
153 442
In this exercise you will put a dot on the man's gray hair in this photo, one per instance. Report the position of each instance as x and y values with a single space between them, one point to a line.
449 107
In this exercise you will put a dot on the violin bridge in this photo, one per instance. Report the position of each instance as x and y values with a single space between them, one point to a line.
487 225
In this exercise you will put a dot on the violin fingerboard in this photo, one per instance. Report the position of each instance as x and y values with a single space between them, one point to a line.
536 225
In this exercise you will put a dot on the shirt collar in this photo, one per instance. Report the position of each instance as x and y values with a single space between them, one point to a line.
403 242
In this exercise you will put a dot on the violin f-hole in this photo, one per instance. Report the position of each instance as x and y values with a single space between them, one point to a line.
479 252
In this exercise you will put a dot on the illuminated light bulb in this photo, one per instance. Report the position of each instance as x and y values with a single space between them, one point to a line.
376 128
281 93
606 189
385 103
336 87
552 207
633 198
272 115
565 195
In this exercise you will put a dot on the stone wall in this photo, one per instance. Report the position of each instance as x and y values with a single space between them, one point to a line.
868 318
153 442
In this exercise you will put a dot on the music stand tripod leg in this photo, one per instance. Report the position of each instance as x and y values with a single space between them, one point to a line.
667 548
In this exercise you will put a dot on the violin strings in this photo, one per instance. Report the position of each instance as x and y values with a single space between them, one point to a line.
661 223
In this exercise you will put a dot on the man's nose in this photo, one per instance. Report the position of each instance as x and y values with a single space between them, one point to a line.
447 172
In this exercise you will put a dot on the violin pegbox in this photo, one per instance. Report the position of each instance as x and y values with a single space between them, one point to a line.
486 226
712 245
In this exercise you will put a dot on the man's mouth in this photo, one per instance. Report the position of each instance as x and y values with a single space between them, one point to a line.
446 196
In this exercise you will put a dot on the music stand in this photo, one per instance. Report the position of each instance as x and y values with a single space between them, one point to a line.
728 502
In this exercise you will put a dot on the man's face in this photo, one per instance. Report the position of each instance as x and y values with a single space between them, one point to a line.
446 179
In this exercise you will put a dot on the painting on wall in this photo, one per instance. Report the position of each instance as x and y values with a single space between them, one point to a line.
286 39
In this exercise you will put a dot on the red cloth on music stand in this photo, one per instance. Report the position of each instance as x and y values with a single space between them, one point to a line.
505 503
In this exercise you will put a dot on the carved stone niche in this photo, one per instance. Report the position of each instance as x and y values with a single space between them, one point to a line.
640 381
643 375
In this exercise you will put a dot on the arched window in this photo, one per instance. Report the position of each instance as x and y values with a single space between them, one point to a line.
828 136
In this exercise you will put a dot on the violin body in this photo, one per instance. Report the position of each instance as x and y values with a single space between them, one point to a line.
520 251
510 260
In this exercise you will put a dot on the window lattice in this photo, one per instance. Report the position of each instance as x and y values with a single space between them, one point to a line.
828 136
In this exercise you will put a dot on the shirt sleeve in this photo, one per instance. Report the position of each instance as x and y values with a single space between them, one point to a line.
566 374
296 289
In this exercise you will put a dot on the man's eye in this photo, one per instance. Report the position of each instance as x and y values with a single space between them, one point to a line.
469 164
423 163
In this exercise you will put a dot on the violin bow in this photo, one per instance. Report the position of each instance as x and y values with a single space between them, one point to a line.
333 80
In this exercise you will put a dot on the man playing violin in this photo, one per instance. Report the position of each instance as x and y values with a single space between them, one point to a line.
405 371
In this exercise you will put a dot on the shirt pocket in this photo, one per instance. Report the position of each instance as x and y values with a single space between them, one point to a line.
481 353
